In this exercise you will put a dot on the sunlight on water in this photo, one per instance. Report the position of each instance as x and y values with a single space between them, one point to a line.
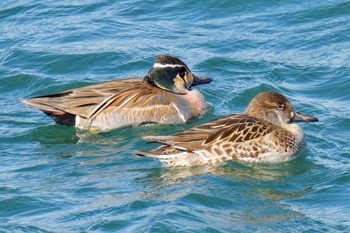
56 179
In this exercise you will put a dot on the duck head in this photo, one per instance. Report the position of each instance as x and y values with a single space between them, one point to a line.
275 108
171 74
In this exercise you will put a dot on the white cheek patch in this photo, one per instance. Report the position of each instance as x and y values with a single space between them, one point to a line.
179 83
291 114
189 80
159 65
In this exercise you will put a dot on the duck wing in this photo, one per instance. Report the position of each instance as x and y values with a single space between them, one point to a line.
232 129
89 101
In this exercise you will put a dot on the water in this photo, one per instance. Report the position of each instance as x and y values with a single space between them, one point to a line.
54 179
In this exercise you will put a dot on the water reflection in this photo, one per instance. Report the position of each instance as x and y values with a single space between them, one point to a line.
245 172
248 193
264 181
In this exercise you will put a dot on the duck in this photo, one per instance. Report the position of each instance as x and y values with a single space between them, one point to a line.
265 133
163 96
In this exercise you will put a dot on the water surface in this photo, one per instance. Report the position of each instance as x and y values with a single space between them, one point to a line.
54 179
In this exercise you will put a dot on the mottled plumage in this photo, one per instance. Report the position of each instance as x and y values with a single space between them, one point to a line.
163 96
263 133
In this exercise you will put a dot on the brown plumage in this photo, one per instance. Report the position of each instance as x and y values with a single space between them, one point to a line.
163 96
262 134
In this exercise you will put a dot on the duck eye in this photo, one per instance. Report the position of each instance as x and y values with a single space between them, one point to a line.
280 106
182 74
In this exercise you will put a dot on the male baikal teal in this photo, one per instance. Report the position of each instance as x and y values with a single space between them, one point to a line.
163 96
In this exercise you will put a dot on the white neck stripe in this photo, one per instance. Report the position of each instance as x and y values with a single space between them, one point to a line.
159 65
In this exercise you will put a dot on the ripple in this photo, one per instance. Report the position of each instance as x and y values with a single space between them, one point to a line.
54 177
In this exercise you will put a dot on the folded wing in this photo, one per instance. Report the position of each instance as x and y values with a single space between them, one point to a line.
234 129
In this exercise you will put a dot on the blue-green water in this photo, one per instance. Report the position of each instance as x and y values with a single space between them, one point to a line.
54 179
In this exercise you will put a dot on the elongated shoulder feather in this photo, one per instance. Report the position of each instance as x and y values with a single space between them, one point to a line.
90 101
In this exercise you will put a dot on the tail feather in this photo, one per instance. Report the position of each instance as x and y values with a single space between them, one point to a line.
171 156
168 160
43 106
159 152
160 139
144 153
58 115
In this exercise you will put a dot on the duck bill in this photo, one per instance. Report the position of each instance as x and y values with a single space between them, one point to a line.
299 117
200 80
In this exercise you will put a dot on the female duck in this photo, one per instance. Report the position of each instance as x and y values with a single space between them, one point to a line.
263 133
163 96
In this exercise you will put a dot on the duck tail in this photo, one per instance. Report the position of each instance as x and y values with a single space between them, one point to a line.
166 140
58 115
170 156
